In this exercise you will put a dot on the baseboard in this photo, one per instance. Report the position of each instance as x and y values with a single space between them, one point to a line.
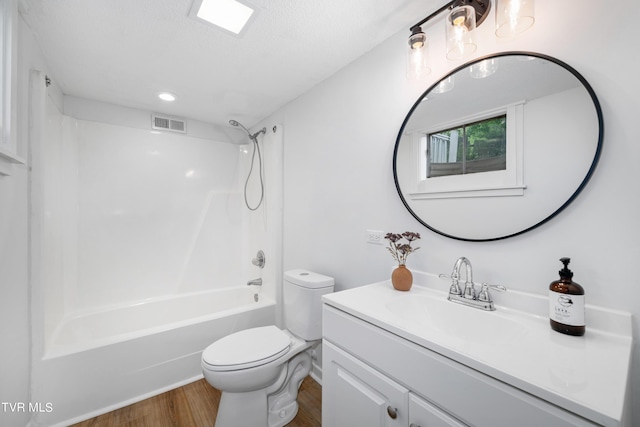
127 402
316 373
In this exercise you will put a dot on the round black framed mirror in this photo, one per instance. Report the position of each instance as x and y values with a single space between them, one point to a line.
498 147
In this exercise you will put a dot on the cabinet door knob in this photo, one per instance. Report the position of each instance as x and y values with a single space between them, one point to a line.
393 412
413 425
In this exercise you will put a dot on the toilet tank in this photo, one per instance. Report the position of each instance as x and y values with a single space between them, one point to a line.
302 293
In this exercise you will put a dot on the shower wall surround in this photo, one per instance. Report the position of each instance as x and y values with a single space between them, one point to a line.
133 214
124 216
159 213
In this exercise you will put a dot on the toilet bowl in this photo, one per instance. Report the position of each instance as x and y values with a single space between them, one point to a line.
259 370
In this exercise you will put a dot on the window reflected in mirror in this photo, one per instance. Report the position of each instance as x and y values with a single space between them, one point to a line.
471 148
521 142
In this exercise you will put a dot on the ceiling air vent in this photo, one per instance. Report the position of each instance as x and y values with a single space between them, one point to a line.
171 124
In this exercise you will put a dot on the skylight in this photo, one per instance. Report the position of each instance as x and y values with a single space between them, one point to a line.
230 15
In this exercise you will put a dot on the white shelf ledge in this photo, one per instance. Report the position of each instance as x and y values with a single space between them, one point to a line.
7 159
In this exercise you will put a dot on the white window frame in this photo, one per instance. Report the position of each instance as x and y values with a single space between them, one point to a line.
503 183
8 63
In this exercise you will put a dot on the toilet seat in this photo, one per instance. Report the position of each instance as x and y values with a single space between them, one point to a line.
246 349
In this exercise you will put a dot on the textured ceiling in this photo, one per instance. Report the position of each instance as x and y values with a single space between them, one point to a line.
126 51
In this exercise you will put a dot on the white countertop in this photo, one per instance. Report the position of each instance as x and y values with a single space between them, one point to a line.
586 375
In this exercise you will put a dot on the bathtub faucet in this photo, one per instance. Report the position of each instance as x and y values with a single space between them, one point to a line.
257 282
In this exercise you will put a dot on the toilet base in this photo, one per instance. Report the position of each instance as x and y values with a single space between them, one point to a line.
274 406
242 409
283 403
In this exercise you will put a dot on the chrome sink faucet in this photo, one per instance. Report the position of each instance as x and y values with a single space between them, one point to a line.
469 288
468 297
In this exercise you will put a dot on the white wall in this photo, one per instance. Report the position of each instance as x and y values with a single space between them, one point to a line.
14 239
14 303
338 172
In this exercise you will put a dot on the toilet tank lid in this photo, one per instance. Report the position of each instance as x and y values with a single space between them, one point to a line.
308 279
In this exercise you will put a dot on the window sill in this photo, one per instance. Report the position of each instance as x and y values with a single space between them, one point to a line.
467 193
7 159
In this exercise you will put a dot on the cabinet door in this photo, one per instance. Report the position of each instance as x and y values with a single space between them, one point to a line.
424 414
356 395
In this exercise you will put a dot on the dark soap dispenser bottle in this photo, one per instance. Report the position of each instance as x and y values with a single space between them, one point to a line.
566 303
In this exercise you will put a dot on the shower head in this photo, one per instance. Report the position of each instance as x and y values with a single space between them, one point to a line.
256 148
238 124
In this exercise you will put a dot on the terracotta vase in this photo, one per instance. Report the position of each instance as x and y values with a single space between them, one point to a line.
401 278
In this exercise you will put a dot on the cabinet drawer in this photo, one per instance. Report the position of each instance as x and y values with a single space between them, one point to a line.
358 395
424 414
475 399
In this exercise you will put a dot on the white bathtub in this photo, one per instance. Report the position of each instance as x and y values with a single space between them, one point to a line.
97 361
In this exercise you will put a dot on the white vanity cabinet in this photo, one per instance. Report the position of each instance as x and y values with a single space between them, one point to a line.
415 359
358 395
372 377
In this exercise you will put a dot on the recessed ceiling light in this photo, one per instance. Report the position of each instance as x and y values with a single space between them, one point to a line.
166 96
230 15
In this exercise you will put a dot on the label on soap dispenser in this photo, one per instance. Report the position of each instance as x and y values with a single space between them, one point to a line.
567 309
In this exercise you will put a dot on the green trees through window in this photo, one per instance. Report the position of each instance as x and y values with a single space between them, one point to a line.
471 148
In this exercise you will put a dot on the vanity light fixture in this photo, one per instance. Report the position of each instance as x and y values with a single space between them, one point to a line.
464 16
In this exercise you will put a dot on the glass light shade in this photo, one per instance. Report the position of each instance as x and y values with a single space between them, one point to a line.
445 85
483 69
418 56
460 24
514 17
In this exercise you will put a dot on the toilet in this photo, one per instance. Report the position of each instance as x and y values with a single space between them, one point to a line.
259 370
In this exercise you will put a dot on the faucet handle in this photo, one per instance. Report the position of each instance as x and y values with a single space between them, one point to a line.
259 260
484 294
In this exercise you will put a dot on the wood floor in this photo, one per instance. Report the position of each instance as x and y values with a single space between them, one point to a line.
196 405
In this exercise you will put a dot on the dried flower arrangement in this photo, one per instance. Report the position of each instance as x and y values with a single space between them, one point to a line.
400 251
